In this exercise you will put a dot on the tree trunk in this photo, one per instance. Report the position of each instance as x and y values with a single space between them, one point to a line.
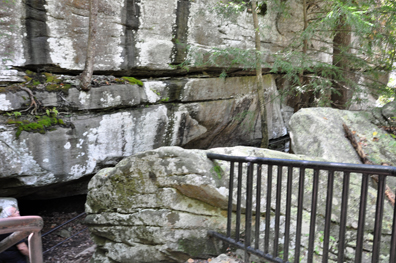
341 43
86 75
260 83
302 100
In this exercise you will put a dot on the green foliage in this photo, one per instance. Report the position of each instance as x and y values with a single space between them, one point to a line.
15 113
56 87
217 170
51 112
132 80
51 78
229 8
370 54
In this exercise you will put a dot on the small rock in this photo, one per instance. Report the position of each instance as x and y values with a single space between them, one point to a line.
64 233
223 258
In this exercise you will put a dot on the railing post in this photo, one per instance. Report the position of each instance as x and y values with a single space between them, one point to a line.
378 218
230 195
21 227
329 204
314 205
299 214
248 215
343 220
35 248
277 210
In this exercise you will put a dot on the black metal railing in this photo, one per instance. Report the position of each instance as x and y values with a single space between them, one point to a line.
292 211
60 227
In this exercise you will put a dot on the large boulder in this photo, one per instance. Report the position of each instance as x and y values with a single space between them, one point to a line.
318 132
157 206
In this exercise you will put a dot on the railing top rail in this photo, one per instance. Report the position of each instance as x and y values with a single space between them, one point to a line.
23 223
332 166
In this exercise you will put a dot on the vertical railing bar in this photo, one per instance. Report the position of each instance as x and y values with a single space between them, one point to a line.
35 248
288 212
392 257
277 211
314 203
362 219
329 204
378 217
258 204
343 216
268 210
239 197
230 193
248 215
299 215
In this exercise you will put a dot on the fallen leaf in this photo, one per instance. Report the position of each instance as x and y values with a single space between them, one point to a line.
324 118
353 132
375 139
375 133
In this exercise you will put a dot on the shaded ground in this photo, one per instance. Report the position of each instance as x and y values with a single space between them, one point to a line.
77 249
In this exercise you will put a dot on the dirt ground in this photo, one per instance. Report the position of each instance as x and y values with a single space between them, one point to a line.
74 249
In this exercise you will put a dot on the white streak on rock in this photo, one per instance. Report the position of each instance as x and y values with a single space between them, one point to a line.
67 146
5 104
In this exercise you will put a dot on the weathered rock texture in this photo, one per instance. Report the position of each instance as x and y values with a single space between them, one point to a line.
112 122
142 37
157 206
318 132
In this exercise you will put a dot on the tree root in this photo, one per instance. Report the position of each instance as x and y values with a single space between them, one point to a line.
33 102
350 135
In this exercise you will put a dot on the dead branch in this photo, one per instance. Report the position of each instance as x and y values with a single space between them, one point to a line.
350 135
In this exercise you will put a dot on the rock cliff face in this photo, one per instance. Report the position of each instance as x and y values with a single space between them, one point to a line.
115 121
142 38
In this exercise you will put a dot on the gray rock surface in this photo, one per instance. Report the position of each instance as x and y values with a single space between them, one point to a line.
318 132
142 37
389 112
112 122
158 205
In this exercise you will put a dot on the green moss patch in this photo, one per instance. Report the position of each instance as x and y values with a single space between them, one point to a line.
51 82
58 87
41 125
132 80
